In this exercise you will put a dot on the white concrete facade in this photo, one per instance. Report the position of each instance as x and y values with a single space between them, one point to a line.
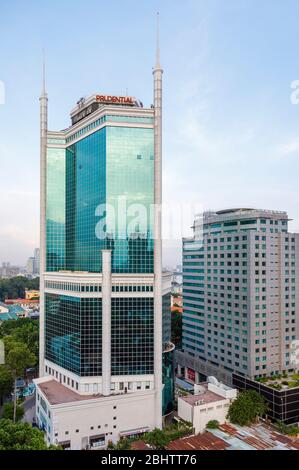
75 424
209 405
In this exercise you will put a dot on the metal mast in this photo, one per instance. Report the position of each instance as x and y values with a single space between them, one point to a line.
157 73
43 186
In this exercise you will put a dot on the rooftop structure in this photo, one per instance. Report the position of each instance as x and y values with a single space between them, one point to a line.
210 401
232 437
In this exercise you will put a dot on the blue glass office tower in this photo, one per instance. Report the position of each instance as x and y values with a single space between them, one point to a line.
101 276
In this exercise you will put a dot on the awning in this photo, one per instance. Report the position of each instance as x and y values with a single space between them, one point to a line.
133 432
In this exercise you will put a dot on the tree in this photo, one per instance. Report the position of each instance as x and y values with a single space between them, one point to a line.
21 436
8 411
157 438
15 287
9 326
111 446
213 424
6 382
123 444
18 358
176 327
28 333
247 408
23 330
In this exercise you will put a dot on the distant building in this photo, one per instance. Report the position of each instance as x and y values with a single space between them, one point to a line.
23 307
36 260
30 265
210 402
9 312
7 270
31 294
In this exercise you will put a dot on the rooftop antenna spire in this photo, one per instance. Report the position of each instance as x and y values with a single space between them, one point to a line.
44 74
158 42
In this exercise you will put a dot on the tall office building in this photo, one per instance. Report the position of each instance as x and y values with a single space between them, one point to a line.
101 346
30 265
36 261
240 295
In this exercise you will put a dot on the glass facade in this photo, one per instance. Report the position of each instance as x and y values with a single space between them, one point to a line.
168 382
99 195
166 314
85 190
168 357
74 333
55 209
132 336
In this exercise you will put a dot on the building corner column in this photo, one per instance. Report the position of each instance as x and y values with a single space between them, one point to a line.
106 322
43 204
158 350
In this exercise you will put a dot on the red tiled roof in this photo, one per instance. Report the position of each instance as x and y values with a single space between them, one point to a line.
21 301
205 441
139 445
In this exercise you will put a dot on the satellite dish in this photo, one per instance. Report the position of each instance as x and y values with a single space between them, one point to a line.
212 380
199 389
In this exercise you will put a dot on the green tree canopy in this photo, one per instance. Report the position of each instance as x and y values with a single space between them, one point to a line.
176 327
158 438
28 334
8 411
6 381
247 408
21 436
8 327
14 287
17 357
23 330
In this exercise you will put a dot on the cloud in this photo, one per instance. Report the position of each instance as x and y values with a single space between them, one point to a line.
289 148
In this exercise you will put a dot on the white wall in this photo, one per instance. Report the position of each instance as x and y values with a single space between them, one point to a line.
132 412
208 412
200 415
185 410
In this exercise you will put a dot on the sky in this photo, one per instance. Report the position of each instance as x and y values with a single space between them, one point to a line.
230 130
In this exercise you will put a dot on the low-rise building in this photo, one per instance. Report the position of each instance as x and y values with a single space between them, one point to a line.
9 312
77 421
31 294
23 307
210 402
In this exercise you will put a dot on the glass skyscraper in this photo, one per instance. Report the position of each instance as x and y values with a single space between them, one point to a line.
103 327
91 183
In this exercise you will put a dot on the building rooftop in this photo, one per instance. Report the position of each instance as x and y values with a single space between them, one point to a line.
232 437
242 213
139 445
57 393
203 398
205 441
8 316
21 301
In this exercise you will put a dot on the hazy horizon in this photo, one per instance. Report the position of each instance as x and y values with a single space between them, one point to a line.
230 130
